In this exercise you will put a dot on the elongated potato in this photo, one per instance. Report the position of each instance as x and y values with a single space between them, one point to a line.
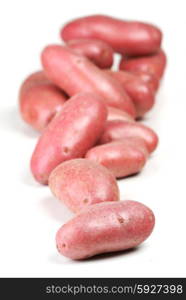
39 100
69 135
153 64
75 74
99 52
125 37
105 227
118 114
117 130
123 158
139 91
81 182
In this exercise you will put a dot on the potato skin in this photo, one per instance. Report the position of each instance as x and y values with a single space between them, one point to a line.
105 227
148 78
117 130
100 53
139 91
118 114
125 37
153 64
69 135
75 74
39 100
79 183
123 158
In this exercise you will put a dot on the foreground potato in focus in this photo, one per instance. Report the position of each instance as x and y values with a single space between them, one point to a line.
69 135
105 227
118 130
123 158
125 37
40 100
81 182
75 74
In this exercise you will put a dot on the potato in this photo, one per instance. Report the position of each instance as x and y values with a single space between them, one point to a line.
125 37
123 158
151 79
69 135
117 130
153 64
75 74
118 114
39 100
97 51
80 182
105 227
140 92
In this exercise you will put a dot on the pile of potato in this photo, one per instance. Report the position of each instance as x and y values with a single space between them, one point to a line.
88 115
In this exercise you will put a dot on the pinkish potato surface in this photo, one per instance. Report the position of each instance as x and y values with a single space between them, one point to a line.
139 91
40 100
118 114
125 37
151 79
153 64
123 158
69 135
100 53
81 182
117 130
105 227
75 74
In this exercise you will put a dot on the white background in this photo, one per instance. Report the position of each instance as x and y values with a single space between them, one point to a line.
29 215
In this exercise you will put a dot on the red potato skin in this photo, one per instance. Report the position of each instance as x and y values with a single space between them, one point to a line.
119 130
105 227
153 64
69 135
81 182
118 114
148 78
100 53
39 100
125 37
139 91
75 74
123 158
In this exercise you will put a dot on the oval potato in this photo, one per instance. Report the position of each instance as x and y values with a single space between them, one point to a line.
75 74
81 182
119 130
105 227
69 135
125 37
123 158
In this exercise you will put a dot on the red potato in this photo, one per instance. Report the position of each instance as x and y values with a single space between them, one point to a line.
119 130
139 91
122 158
125 37
148 78
153 64
81 182
40 100
118 114
69 135
105 227
97 51
75 74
